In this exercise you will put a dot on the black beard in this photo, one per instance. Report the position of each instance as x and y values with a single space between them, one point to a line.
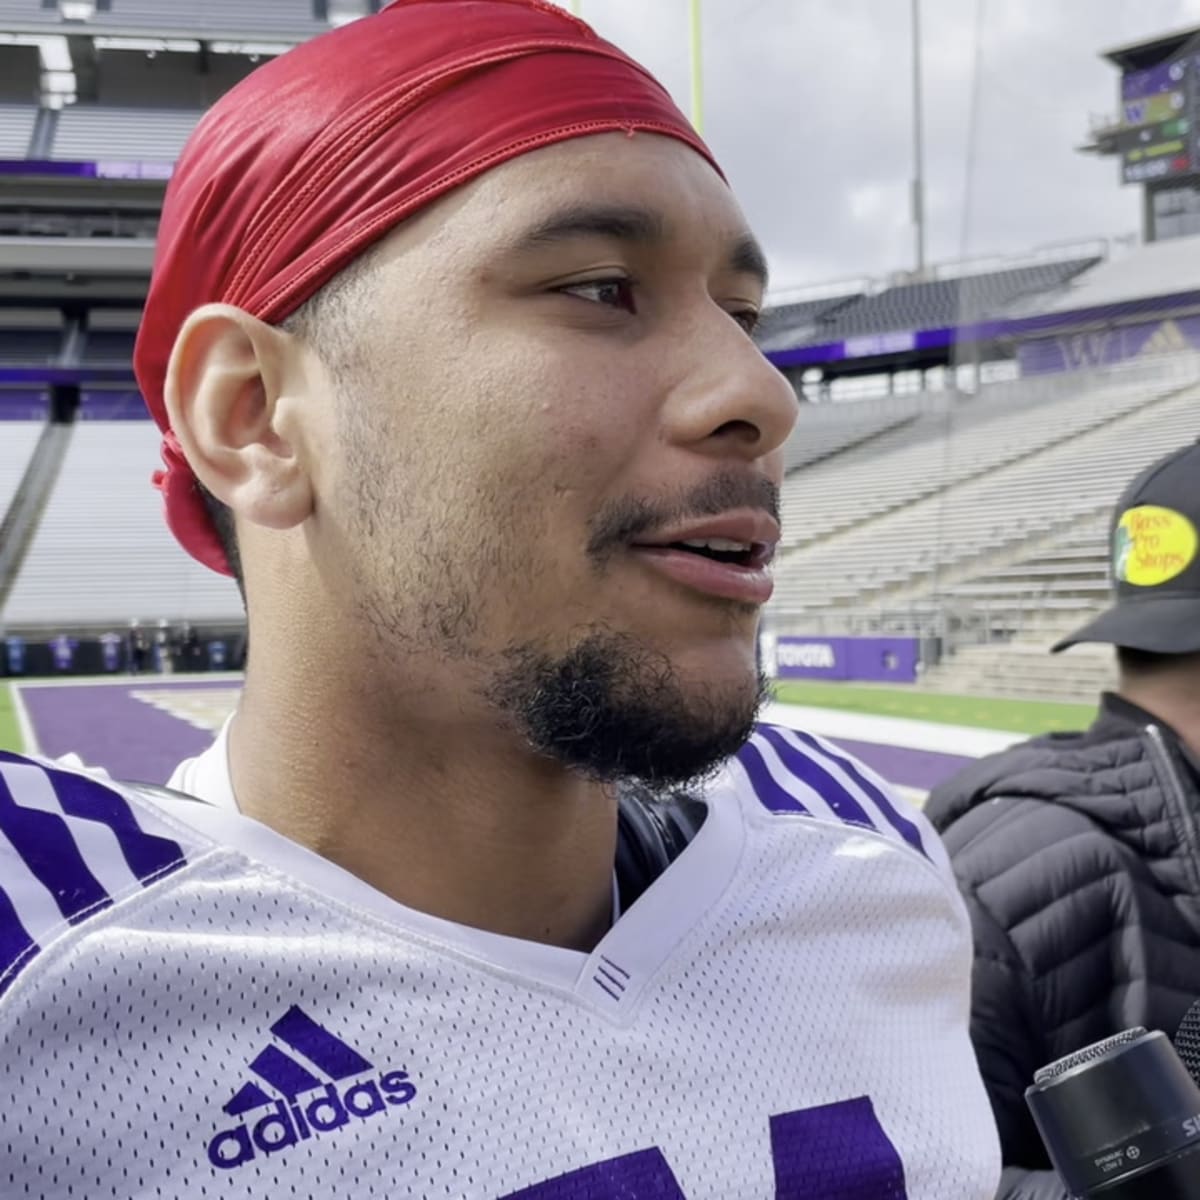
615 711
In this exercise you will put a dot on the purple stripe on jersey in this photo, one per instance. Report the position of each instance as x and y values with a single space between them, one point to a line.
148 854
44 844
902 825
330 1054
16 946
283 1073
769 793
248 1097
836 1151
611 991
608 962
643 1173
844 805
619 984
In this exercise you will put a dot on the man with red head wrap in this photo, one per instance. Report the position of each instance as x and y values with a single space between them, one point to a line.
492 887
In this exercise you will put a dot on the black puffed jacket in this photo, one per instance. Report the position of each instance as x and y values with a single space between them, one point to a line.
1079 857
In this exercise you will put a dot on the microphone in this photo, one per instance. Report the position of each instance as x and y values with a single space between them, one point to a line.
1121 1118
1187 1041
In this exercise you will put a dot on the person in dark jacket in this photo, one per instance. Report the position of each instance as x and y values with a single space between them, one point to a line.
1079 854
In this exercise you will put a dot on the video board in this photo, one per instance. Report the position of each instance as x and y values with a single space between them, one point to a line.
1160 120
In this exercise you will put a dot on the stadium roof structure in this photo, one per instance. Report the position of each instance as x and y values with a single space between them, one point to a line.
787 325
1148 52
910 324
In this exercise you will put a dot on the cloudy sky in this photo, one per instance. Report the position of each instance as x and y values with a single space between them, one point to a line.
808 107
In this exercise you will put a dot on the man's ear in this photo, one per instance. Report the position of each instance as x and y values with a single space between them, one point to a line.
226 397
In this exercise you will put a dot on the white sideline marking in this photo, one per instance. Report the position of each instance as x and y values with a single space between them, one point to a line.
962 740
145 679
24 724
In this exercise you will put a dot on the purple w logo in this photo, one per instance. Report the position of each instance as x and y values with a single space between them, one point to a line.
833 1152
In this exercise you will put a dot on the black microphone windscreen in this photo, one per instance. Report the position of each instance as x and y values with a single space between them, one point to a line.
1187 1041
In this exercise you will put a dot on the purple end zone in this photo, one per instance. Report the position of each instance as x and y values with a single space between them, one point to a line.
107 727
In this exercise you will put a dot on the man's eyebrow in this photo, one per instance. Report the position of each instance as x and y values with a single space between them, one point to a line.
621 223
625 223
747 258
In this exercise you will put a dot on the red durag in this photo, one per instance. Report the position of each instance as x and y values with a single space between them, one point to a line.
322 151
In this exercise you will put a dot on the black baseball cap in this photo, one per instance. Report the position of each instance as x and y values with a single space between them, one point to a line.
1155 563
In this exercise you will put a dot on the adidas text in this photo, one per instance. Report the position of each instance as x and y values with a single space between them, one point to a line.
287 1122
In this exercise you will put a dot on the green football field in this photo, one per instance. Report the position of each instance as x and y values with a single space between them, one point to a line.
10 735
1019 716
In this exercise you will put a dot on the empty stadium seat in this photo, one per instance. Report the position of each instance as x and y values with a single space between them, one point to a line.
87 132
16 129
103 525
1013 474
827 429
30 337
17 441
288 19
1161 268
109 346
25 12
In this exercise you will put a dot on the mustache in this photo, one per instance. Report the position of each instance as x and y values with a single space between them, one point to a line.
623 521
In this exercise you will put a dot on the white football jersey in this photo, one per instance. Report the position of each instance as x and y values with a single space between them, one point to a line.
192 1005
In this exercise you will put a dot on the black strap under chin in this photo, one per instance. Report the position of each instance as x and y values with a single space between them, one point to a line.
652 832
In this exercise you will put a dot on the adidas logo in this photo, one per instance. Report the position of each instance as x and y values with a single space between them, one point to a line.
300 1115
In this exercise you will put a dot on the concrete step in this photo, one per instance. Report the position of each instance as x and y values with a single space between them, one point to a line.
1025 669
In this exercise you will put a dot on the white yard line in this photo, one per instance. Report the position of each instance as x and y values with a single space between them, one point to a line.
23 722
147 679
962 740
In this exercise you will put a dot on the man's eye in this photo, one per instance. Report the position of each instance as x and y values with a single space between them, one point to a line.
748 319
613 293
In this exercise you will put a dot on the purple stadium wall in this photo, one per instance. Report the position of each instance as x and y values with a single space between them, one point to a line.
873 659
1106 347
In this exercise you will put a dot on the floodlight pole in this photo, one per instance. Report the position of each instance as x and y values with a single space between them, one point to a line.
697 58
918 185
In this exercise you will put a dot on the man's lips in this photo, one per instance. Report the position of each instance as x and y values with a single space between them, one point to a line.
736 568
750 584
742 525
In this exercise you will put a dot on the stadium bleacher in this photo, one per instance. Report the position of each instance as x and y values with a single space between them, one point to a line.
997 476
108 346
288 19
18 13
827 429
17 440
954 440
16 129
89 132
110 337
103 523
31 336
1158 269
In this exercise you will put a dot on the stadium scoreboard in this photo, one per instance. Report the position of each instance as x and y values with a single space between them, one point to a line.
1160 120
